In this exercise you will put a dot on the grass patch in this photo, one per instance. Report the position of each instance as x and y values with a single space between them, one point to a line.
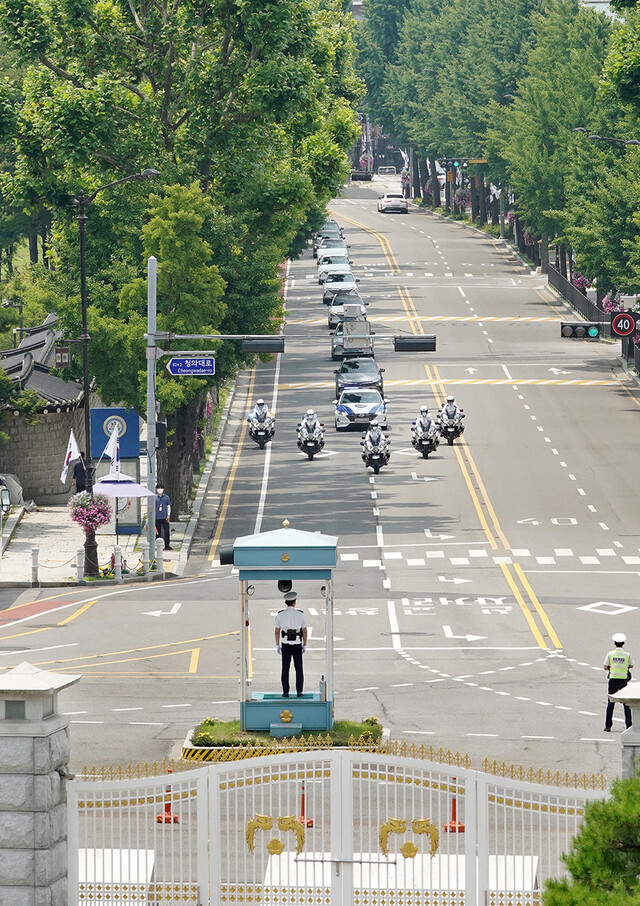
213 732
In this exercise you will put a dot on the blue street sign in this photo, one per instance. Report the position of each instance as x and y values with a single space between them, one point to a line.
180 366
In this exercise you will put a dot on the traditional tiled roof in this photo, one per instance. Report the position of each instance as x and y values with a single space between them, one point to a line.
30 365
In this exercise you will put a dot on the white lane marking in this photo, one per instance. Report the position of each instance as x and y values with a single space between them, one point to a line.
115 710
507 373
537 737
393 623
29 650
144 723
462 292
484 735
366 689
267 459
71 713
591 507
86 721
379 536
183 705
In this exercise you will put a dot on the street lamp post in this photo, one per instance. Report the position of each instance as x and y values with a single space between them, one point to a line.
81 201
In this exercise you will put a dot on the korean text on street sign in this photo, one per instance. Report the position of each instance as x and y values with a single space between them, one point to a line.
180 366
624 323
477 160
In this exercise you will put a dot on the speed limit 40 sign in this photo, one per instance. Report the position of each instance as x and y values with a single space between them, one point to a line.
624 323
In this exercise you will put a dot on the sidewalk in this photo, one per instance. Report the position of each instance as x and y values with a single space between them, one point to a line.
57 538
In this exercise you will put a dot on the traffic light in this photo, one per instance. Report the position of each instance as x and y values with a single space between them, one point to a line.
581 330
263 344
456 163
226 554
426 343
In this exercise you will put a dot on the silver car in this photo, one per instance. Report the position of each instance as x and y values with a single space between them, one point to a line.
327 269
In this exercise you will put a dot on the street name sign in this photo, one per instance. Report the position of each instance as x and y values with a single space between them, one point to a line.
181 366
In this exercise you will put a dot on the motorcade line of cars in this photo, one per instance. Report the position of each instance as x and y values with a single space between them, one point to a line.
359 383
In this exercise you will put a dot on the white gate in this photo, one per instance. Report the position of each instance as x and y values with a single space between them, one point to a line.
374 830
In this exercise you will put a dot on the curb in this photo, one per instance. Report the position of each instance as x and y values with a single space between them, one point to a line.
202 487
9 528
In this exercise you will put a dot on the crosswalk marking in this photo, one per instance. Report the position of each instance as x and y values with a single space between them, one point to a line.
474 553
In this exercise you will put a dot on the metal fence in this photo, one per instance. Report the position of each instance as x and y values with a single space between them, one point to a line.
588 309
339 827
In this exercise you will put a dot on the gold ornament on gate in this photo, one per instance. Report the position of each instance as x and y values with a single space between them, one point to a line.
259 822
275 846
399 826
285 558
286 716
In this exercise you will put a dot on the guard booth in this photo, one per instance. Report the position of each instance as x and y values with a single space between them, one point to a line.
284 556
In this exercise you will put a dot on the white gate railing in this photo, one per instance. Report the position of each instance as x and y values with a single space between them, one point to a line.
377 829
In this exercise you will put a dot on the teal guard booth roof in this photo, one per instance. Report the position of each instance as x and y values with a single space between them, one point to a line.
285 553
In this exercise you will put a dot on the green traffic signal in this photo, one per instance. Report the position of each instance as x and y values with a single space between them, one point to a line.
593 331
580 330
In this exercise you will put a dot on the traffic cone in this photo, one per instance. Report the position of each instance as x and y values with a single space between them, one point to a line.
454 826
306 822
167 816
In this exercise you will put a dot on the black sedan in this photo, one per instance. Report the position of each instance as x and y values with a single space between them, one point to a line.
359 371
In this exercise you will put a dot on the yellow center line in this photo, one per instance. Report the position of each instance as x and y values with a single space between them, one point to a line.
538 606
387 251
77 613
480 507
523 606
231 479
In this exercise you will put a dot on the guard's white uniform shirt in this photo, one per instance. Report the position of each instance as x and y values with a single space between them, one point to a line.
291 618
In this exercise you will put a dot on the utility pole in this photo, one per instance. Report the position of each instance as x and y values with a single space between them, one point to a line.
152 284
502 213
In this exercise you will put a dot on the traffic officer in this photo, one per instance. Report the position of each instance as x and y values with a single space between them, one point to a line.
618 664
291 642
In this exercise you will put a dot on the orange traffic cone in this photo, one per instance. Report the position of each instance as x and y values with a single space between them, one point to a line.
167 816
306 822
454 826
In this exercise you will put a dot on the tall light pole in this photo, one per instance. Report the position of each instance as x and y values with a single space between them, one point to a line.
81 201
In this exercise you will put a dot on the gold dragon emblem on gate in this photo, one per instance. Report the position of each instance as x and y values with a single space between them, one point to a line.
399 826
265 823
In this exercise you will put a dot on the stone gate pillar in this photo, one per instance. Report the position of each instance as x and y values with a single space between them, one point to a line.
630 738
34 755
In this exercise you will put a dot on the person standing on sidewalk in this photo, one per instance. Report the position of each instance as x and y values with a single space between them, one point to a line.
618 664
163 513
79 480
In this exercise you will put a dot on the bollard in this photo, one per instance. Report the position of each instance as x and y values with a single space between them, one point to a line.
35 552
160 556
117 564
167 816
80 565
145 558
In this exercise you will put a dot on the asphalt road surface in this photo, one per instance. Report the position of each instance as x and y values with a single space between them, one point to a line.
476 591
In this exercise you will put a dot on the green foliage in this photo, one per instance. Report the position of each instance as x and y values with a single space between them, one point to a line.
533 136
604 858
622 68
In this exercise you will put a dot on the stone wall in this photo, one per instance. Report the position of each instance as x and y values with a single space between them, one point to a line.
36 454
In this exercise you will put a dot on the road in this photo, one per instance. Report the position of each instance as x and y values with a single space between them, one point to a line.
476 591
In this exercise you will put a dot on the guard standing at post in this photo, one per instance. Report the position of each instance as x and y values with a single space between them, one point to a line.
291 642
618 664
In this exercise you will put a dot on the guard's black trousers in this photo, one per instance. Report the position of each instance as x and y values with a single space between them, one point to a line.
615 685
291 653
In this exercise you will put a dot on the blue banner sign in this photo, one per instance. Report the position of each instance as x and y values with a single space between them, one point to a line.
180 366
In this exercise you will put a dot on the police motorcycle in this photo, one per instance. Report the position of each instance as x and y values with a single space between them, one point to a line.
310 434
262 424
425 435
375 448
450 420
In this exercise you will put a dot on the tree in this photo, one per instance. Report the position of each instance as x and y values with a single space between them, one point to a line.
534 136
604 859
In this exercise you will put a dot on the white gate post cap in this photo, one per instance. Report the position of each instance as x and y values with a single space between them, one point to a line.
630 695
29 695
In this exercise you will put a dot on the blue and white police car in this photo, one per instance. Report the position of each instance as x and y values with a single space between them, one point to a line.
356 408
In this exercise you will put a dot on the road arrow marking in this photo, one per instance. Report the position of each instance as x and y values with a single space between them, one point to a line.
430 534
469 638
455 581
416 477
558 371
163 613
471 370
529 521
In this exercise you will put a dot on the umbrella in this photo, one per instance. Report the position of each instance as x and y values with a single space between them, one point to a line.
117 485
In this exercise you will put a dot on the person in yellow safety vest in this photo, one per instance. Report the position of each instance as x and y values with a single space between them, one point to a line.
618 664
